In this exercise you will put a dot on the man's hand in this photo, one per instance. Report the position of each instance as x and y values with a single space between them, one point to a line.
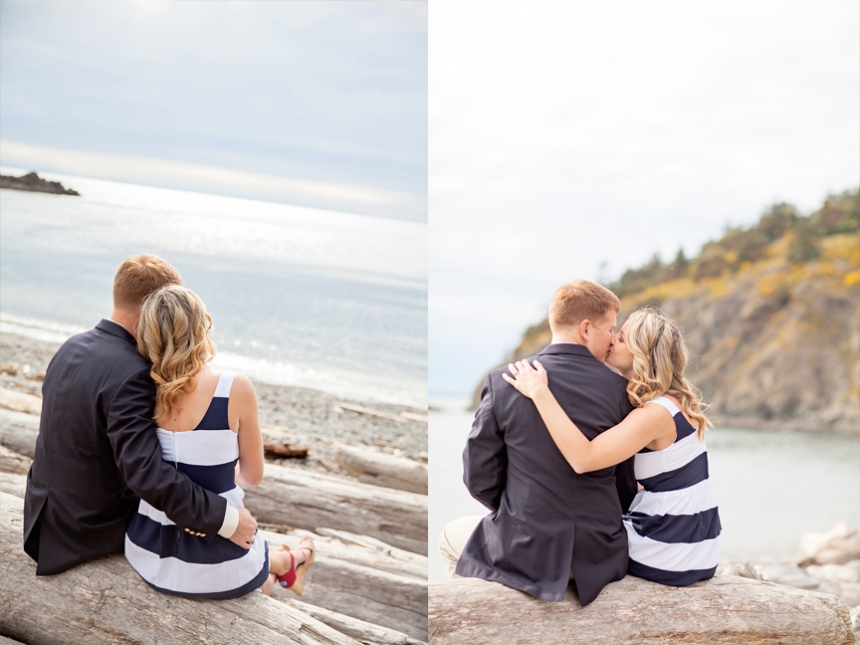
246 532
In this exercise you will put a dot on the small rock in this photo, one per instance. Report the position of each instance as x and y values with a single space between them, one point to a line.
849 572
839 545
855 621
745 570
850 593
833 587
9 368
790 575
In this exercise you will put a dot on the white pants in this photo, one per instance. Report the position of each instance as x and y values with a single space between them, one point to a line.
453 540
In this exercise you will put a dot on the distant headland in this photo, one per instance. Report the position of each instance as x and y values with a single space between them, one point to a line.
769 314
32 182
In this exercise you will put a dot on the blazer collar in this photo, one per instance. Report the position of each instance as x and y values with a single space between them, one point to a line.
115 329
567 348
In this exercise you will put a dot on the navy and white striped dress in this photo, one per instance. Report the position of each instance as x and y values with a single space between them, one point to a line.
176 562
673 527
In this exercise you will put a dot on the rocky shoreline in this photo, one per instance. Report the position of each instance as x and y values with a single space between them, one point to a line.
33 183
297 415
842 427
827 562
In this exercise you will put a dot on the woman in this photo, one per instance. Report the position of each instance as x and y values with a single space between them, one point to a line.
209 428
673 526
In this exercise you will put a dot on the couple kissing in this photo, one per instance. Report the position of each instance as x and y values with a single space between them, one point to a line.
590 474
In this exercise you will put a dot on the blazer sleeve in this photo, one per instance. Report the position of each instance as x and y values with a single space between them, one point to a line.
138 456
485 457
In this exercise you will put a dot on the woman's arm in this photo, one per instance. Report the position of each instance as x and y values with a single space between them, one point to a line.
611 447
249 470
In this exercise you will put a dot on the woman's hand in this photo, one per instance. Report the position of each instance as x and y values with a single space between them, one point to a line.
528 380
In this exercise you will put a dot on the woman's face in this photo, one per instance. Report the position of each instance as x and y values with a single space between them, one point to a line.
620 357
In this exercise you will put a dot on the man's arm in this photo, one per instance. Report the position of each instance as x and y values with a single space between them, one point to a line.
485 458
138 456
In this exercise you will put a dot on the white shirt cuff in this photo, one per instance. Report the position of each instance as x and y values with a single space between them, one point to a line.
231 522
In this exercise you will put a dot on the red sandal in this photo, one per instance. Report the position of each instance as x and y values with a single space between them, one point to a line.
294 579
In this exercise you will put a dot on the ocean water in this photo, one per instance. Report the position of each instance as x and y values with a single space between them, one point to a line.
772 487
298 296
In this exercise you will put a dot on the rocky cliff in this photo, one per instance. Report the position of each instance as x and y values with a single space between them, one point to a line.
770 314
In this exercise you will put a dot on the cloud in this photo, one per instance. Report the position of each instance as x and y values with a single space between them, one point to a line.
316 104
204 178
566 134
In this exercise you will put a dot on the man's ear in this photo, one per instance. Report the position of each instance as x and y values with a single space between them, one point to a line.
585 327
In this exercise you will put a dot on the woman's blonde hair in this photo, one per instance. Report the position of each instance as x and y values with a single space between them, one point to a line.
173 334
659 360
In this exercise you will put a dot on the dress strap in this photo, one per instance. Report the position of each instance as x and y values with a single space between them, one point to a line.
666 403
225 382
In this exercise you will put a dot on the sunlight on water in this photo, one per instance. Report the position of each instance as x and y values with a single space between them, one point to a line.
326 300
221 227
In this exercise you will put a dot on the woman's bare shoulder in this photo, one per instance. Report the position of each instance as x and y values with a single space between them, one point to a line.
242 387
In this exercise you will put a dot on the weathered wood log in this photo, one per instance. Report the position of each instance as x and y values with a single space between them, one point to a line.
361 631
725 610
375 553
20 401
283 450
298 498
311 501
422 418
370 412
18 432
364 583
355 575
8 641
372 467
12 462
105 601
13 484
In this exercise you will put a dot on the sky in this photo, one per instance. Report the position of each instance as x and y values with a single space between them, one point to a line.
574 140
320 104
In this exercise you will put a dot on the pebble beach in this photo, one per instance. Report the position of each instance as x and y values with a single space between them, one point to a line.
300 416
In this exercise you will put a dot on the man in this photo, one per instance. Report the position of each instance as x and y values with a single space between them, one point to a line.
548 523
97 452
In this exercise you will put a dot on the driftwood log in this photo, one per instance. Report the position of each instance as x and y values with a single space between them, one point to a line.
372 467
308 500
370 412
106 602
13 484
12 462
386 587
18 432
283 450
356 576
726 610
20 401
357 629
297 498
8 641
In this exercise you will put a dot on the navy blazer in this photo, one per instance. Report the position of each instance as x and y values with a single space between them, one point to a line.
97 454
546 520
